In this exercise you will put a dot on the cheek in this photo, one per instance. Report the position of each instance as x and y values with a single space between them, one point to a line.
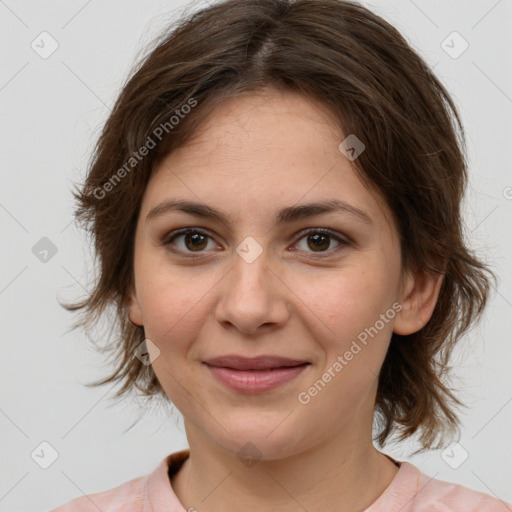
358 311
349 300
174 304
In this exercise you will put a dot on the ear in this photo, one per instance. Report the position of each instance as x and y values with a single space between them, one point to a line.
418 298
134 310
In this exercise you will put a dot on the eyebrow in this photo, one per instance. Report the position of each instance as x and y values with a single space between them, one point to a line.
285 215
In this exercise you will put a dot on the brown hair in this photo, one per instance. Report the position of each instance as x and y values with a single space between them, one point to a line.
376 85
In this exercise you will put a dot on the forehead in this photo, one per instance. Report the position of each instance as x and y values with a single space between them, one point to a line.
263 151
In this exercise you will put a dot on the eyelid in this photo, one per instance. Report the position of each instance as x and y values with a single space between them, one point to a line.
169 238
342 239
328 231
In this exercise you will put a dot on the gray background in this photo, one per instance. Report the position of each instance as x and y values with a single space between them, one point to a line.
52 110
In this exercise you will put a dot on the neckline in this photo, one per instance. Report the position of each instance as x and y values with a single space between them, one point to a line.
397 463
176 460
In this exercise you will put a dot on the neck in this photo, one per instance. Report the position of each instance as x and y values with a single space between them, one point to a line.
343 474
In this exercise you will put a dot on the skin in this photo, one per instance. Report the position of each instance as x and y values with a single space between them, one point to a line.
256 154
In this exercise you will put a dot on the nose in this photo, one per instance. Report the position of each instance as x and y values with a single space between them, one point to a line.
252 296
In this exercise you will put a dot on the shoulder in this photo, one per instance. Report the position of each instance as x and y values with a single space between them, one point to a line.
129 494
152 492
435 495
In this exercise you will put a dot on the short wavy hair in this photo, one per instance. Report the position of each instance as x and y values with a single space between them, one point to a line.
361 68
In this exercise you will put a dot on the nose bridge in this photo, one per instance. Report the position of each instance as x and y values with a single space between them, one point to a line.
251 296
250 266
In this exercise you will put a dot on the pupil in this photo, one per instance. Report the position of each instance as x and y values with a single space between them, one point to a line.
195 237
319 241
316 238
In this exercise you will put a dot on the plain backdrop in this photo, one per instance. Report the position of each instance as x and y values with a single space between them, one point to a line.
51 112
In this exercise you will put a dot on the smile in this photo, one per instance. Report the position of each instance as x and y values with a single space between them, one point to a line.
256 381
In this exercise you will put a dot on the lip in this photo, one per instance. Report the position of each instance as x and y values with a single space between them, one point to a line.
255 375
263 362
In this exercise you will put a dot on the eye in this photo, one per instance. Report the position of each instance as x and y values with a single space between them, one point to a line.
196 241
320 239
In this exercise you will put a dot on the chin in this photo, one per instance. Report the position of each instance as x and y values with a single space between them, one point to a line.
265 442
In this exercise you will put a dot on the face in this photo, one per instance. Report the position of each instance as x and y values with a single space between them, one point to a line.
249 285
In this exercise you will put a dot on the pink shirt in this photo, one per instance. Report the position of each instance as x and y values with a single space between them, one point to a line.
410 491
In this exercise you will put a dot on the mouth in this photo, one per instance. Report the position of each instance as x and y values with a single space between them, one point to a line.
255 375
264 362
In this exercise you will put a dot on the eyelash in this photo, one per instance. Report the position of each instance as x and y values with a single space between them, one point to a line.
167 241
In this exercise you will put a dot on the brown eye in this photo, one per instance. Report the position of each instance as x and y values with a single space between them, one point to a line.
320 240
193 240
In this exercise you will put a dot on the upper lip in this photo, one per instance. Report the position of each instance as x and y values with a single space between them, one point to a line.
264 362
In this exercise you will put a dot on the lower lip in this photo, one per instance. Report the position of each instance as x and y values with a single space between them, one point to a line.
255 381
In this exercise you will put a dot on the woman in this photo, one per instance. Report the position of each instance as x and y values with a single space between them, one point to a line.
275 203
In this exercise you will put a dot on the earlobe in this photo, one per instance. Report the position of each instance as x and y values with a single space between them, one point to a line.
134 311
418 300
